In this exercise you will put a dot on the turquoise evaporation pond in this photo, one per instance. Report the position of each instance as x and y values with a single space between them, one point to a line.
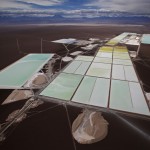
17 74
128 96
103 81
145 39
122 62
93 91
122 72
84 58
63 86
99 70
77 67
102 60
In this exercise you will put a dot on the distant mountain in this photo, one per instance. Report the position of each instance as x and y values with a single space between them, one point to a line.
58 18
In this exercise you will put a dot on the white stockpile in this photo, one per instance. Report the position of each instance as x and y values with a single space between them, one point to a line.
89 127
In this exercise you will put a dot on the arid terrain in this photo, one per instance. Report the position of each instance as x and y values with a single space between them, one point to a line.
46 127
29 37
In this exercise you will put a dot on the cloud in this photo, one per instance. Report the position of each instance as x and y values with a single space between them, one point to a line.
134 6
30 12
24 4
12 4
76 13
79 9
79 13
18 8
43 2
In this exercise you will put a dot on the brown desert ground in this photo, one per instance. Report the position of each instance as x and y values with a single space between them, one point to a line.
47 127
29 37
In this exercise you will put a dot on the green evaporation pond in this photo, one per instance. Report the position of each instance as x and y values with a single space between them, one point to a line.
37 57
102 60
63 86
93 91
84 58
122 62
120 97
99 70
77 67
15 75
106 49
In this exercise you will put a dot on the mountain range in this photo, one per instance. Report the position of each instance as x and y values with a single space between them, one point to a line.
61 19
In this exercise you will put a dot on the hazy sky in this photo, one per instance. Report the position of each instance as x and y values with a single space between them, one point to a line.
73 8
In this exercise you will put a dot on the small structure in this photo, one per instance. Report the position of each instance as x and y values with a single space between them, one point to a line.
76 53
117 39
75 43
132 41
89 47
94 40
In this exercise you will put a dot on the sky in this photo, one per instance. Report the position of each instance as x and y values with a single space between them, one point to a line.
74 8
